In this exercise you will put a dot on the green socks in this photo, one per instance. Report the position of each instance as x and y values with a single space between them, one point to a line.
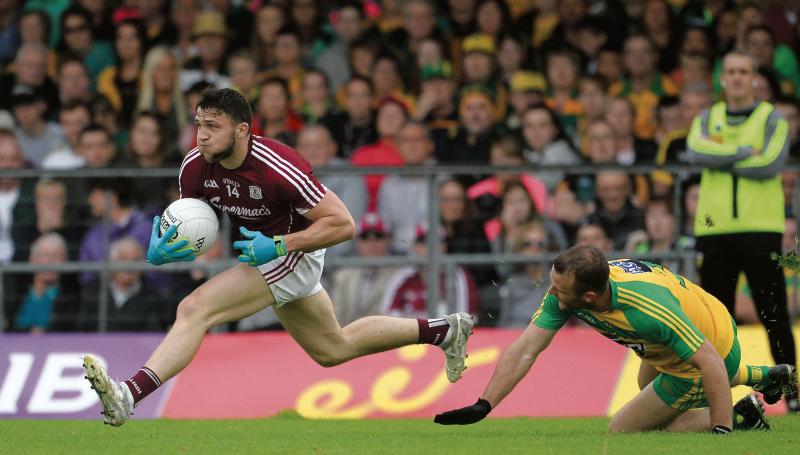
755 376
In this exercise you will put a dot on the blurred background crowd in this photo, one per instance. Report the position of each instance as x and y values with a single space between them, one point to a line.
93 84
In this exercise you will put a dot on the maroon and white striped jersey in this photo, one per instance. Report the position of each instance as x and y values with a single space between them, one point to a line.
267 193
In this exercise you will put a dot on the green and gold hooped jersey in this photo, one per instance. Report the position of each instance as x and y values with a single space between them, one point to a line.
660 315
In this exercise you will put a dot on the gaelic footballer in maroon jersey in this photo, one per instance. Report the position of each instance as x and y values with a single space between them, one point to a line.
267 193
287 219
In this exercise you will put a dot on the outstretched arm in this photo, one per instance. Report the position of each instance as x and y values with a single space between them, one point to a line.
715 384
514 364
516 361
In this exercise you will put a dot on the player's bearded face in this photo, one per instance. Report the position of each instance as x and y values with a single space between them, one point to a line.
216 136
562 287
224 153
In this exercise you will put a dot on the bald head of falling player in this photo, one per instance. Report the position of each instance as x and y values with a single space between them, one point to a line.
224 119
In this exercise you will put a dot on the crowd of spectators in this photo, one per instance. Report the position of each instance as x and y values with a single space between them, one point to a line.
101 84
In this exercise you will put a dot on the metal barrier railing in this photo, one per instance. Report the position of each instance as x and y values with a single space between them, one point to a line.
433 262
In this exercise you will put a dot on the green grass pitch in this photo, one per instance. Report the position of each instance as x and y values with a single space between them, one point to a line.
291 434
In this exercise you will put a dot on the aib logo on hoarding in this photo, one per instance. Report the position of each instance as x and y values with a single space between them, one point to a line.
59 389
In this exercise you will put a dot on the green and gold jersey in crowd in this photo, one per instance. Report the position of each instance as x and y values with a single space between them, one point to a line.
660 315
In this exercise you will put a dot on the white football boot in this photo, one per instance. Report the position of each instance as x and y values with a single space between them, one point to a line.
115 397
455 344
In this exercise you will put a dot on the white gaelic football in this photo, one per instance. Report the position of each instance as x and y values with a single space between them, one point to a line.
196 221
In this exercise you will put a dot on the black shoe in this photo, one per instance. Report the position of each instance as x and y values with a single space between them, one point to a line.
749 415
784 383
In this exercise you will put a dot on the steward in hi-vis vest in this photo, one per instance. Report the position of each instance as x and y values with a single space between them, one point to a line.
742 145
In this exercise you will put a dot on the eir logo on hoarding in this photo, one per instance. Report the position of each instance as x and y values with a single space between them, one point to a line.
57 390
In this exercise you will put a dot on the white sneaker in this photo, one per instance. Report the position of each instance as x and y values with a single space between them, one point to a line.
114 396
455 348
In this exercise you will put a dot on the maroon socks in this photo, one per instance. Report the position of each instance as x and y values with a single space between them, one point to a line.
432 331
143 383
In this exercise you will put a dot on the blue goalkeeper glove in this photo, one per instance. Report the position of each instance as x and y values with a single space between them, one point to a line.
162 250
259 249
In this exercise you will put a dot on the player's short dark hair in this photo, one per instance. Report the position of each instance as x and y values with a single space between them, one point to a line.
229 102
587 264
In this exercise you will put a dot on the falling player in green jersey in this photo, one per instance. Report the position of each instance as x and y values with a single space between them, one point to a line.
684 336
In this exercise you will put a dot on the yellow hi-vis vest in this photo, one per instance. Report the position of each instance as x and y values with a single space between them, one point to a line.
730 204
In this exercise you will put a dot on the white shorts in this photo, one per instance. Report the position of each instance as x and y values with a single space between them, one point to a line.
294 276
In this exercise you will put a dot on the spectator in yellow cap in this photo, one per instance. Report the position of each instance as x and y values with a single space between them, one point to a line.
478 58
527 88
478 67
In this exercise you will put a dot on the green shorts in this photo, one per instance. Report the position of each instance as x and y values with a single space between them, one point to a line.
687 393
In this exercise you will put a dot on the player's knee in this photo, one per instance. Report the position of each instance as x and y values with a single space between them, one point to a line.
618 425
190 308
327 359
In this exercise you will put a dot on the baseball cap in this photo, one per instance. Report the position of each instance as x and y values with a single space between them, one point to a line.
210 23
23 94
528 81
479 42
438 70
371 224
